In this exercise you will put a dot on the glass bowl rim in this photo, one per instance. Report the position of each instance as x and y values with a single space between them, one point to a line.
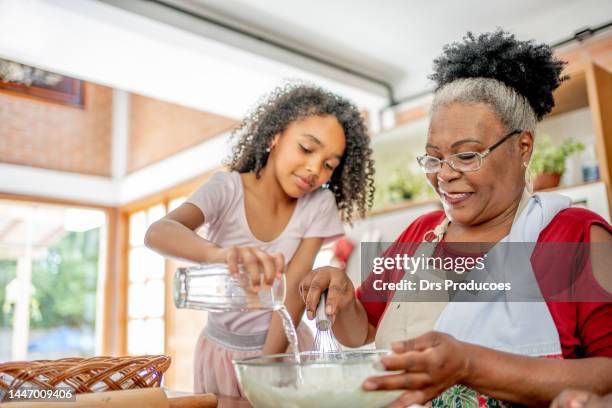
266 361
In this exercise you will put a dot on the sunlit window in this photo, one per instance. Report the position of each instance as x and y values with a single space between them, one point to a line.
52 262
146 289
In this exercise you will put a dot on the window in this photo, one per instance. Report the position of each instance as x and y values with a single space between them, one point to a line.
147 301
146 288
52 263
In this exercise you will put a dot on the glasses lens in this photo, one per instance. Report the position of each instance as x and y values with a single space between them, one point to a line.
468 161
429 164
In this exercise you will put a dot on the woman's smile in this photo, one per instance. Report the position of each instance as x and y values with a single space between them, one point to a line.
454 198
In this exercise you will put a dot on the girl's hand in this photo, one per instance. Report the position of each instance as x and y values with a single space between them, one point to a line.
340 290
261 267
431 363
580 399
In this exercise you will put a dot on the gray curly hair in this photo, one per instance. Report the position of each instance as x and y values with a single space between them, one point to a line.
513 109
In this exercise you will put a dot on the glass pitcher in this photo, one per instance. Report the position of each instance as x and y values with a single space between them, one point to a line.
212 288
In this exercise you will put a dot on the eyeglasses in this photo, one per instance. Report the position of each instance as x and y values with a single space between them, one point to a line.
461 162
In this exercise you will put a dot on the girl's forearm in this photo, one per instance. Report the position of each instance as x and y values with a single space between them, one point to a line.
534 381
351 326
171 238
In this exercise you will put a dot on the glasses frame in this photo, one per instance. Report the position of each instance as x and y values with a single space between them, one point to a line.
479 154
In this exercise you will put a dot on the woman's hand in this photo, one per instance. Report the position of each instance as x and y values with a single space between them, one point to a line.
261 267
431 363
340 290
580 399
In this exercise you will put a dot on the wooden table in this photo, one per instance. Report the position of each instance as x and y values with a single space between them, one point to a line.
233 402
223 401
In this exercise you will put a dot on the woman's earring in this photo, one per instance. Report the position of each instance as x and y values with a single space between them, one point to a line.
326 185
268 149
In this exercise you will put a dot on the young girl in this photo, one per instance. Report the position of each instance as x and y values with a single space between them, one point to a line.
301 156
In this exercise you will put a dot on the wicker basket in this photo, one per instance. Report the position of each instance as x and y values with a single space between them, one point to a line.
83 375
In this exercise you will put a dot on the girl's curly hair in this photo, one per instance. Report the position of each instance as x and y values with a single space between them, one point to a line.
352 182
528 68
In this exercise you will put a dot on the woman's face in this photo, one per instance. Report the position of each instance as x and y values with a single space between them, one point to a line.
306 154
472 198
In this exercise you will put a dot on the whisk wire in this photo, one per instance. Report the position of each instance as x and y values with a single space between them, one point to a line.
325 345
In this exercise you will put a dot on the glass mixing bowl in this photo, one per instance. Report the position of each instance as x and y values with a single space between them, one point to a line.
274 381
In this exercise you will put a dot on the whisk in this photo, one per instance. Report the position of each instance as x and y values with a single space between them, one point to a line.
325 345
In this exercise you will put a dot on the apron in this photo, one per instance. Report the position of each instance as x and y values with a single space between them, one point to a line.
405 320
524 328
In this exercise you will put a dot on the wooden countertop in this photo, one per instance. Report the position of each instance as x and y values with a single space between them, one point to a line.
223 401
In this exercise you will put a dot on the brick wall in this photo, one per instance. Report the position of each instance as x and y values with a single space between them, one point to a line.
49 135
160 129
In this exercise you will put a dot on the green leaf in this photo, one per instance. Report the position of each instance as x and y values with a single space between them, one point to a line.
550 158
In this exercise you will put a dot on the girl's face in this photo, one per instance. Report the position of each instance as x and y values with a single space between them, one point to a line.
471 198
306 154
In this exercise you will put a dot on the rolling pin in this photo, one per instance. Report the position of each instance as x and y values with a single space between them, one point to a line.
141 398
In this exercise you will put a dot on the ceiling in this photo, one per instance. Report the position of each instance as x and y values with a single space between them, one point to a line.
142 47
154 48
398 39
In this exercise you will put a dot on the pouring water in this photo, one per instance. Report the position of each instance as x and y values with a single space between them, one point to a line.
212 288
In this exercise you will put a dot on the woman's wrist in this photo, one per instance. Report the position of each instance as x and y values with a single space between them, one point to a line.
468 376
349 311
346 319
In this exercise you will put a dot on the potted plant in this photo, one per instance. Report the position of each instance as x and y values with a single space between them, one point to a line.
402 184
548 161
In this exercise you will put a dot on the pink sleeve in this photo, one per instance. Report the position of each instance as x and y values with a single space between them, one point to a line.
213 196
324 218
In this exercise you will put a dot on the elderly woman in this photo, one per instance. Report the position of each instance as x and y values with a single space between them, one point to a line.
491 92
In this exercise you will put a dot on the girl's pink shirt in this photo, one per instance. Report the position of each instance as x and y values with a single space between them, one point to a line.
221 200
